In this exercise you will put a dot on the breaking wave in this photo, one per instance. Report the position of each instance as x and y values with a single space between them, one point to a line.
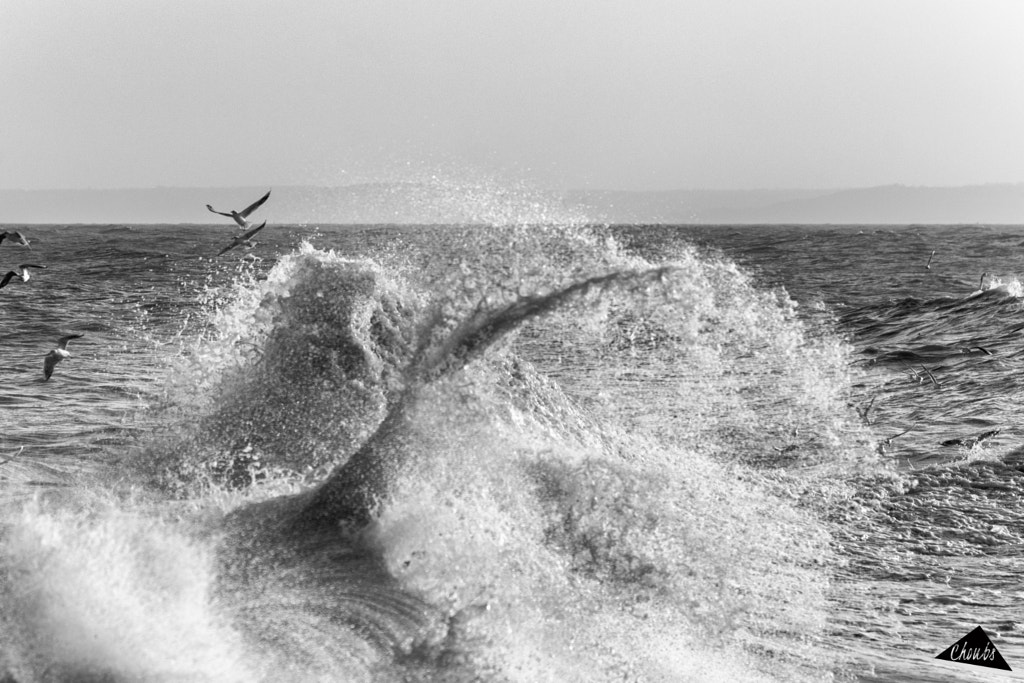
511 453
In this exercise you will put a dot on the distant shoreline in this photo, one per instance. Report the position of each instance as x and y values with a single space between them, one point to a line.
423 204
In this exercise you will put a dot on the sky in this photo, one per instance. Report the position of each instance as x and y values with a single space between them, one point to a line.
637 95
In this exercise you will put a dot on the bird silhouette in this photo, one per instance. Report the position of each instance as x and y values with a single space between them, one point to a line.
240 216
24 275
16 238
57 355
243 238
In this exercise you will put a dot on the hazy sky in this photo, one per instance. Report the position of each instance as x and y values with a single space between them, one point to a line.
637 94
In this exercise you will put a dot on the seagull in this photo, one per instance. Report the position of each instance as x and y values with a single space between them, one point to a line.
243 238
931 376
24 274
882 446
12 457
57 355
971 441
16 238
240 216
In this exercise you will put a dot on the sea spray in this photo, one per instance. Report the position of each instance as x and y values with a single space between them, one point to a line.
298 370
582 535
110 595
514 533
355 490
325 330
513 507
724 368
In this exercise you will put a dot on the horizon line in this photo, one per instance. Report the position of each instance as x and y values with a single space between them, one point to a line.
572 189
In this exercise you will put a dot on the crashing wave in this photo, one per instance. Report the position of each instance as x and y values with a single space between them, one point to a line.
448 505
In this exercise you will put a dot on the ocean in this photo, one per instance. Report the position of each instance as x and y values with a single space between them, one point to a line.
527 450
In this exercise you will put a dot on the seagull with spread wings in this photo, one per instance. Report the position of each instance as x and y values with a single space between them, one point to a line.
243 238
57 355
24 275
240 216
16 238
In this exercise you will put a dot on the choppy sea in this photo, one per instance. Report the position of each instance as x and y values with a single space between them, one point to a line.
529 451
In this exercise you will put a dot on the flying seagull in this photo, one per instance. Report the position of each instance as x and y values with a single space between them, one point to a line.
16 238
24 274
240 216
57 355
243 238
971 441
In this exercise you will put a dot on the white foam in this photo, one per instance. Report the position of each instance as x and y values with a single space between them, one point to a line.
113 594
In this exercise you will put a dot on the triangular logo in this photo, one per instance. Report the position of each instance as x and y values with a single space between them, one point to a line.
975 648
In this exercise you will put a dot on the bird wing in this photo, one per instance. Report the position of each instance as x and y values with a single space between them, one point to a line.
24 274
62 343
219 213
234 243
255 205
51 360
246 235
2 236
21 239
7 278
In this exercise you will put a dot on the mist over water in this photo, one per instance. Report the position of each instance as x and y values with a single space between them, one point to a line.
591 457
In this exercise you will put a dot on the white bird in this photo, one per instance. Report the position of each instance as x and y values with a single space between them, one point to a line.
24 275
243 238
16 238
240 216
57 355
